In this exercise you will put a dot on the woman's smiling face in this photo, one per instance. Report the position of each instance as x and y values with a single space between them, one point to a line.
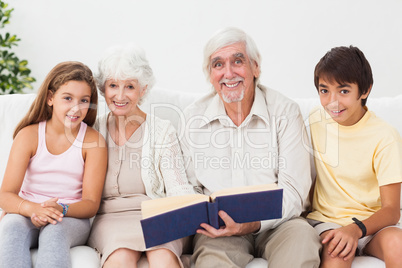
122 96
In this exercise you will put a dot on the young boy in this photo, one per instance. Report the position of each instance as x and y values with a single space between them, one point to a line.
358 157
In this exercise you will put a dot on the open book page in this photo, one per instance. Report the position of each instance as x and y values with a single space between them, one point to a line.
155 207
244 189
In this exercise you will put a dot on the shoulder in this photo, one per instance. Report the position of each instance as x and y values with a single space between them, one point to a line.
29 130
159 125
93 138
277 103
28 134
382 129
27 138
199 106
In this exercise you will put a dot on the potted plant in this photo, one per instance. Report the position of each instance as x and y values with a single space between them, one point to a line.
14 73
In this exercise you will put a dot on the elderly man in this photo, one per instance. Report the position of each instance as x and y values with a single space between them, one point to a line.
241 134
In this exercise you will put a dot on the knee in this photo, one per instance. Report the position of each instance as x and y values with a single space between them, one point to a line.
53 231
52 237
303 231
70 231
327 261
392 248
162 258
300 244
203 243
13 224
120 257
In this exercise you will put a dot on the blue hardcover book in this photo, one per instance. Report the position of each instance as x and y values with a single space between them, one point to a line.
171 218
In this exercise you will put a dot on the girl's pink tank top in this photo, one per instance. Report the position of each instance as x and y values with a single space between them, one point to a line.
49 175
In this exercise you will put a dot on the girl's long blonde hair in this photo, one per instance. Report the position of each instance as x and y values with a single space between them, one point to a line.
58 76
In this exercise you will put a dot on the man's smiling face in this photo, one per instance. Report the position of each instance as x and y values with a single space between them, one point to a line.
232 73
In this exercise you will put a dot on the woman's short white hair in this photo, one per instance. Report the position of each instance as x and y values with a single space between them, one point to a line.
226 37
124 63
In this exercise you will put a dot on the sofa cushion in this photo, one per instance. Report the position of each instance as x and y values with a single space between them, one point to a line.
12 109
81 256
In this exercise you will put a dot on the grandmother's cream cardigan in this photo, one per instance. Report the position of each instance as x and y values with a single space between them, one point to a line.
162 166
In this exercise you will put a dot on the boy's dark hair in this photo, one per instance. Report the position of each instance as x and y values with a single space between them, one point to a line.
345 64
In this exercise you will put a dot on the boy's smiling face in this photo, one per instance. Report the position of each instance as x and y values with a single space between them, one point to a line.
342 101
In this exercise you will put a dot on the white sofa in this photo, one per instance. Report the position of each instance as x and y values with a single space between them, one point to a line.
169 104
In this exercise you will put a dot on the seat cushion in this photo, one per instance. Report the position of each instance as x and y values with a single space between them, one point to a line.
81 256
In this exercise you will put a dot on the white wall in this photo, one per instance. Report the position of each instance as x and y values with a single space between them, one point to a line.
292 36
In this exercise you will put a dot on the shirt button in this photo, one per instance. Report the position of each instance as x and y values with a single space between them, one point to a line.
116 173
116 186
117 161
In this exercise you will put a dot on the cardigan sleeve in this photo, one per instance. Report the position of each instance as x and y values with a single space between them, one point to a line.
172 166
166 175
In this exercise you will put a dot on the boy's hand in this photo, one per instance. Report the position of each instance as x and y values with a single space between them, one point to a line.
342 242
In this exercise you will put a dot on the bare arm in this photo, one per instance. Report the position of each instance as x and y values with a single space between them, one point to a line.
23 148
389 213
342 242
95 156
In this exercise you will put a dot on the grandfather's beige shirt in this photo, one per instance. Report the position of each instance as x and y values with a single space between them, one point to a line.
270 146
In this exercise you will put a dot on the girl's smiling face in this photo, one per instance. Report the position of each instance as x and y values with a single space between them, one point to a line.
70 103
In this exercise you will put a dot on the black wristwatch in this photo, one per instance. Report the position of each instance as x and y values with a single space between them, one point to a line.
361 226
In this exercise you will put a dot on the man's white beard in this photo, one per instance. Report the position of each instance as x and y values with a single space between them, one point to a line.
233 96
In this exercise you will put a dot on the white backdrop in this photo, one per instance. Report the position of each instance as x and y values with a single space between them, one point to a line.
292 36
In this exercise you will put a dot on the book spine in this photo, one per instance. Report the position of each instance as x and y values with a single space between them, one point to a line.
213 214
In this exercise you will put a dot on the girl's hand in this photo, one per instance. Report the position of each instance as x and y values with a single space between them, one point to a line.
47 212
52 203
37 222
342 242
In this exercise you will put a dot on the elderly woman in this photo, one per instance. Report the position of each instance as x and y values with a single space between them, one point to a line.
139 147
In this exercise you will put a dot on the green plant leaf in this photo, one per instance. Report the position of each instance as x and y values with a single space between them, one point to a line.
14 73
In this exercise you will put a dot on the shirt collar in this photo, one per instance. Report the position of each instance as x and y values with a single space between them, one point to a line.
259 107
216 110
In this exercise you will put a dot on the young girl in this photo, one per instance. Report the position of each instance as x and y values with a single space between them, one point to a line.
55 173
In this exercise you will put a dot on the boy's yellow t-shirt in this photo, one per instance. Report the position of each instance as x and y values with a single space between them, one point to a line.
352 162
